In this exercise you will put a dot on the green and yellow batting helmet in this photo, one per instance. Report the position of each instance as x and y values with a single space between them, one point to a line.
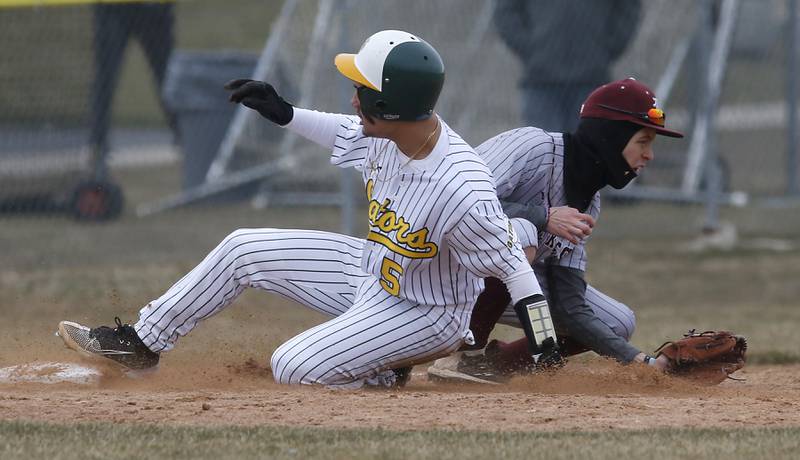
400 75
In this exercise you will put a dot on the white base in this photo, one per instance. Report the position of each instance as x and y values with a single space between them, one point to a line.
50 373
446 370
450 376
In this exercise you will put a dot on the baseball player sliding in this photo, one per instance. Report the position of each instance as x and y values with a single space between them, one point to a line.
404 294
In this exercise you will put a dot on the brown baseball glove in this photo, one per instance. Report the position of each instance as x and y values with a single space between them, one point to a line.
707 357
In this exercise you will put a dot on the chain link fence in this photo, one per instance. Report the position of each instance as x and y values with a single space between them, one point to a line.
173 118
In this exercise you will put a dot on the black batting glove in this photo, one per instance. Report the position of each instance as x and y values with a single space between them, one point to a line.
261 97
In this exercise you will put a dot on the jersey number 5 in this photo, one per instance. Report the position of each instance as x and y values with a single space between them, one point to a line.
390 274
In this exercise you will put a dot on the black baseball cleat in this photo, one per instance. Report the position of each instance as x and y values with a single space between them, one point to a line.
402 376
120 344
481 367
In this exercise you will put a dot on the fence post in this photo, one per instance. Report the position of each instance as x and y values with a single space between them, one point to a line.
792 138
705 108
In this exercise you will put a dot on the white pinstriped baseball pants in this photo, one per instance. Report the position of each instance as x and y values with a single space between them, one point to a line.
371 332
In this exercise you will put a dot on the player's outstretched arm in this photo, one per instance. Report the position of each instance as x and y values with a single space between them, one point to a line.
579 320
318 127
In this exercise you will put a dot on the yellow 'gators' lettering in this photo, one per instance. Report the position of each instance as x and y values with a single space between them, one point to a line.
383 221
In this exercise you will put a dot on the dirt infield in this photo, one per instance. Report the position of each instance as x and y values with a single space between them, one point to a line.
85 274
589 395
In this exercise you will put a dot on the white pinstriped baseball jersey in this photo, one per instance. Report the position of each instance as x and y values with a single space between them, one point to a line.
528 167
435 223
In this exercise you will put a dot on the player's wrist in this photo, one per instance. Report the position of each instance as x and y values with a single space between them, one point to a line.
522 284
277 111
659 362
550 213
539 217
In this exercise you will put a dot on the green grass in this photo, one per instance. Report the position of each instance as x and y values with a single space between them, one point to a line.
24 440
775 357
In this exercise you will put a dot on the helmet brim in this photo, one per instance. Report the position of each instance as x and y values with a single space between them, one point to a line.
346 64
609 115
657 128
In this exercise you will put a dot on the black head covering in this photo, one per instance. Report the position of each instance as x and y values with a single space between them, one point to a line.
593 159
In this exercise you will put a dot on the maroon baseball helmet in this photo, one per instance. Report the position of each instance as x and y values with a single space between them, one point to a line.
627 100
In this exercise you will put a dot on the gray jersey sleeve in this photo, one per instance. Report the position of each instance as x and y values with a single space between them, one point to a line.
537 215
567 298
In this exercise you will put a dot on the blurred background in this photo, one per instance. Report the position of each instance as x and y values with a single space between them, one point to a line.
122 163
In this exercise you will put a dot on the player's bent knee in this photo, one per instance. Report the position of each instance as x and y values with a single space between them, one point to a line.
279 365
632 325
292 373
236 243
628 320
291 369
237 237
232 241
